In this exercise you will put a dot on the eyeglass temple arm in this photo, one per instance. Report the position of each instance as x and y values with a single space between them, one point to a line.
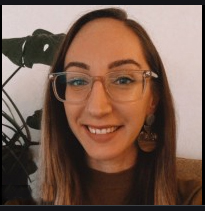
151 74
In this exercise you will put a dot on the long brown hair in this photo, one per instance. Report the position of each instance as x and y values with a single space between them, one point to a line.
62 157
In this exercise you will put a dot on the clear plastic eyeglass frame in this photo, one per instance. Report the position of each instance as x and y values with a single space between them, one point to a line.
53 78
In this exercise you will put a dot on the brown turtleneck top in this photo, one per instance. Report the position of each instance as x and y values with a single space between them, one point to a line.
108 188
113 189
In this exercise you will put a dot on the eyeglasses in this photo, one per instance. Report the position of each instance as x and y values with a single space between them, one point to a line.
121 86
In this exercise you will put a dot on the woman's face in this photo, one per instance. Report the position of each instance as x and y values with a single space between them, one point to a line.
99 44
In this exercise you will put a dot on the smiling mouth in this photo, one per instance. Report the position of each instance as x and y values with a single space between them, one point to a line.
102 131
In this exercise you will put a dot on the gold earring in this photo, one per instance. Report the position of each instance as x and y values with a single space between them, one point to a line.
147 140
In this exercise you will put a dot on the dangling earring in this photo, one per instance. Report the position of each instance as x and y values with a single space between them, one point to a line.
147 140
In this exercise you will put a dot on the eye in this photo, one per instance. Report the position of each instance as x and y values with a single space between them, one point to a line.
77 82
123 80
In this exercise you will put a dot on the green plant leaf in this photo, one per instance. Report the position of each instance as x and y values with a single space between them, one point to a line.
12 48
34 121
40 47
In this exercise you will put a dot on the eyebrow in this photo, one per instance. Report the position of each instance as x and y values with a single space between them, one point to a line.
123 62
77 64
110 66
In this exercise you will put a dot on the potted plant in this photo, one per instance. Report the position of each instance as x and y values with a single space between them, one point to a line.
17 159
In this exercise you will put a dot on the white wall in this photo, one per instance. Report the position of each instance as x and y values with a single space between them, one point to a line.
176 31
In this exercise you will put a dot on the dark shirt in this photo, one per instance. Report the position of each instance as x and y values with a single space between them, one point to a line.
112 189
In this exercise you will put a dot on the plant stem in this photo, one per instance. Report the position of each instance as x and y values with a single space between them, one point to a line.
11 76
20 116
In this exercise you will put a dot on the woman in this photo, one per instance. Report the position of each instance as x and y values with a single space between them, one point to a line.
108 129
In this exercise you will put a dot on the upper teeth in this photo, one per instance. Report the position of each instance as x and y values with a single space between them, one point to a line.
102 131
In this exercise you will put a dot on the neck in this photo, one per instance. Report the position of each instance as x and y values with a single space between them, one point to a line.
116 164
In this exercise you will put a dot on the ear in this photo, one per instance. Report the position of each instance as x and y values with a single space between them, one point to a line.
152 105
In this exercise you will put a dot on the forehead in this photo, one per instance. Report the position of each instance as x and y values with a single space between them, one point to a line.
105 27
105 38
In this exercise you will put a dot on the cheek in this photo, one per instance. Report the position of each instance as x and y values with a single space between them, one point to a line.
137 109
72 112
135 117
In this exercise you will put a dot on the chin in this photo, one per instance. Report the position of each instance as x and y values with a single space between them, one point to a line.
103 155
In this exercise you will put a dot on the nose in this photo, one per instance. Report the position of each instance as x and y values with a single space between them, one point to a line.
98 104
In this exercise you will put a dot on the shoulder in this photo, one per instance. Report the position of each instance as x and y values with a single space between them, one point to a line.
189 191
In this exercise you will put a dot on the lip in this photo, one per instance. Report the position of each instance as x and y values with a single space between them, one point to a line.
102 138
